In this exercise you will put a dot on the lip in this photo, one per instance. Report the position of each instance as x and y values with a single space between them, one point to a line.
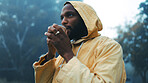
68 27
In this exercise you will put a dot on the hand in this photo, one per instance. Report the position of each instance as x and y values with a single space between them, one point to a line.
60 41
51 49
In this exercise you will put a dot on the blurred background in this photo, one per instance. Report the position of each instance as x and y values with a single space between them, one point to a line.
23 23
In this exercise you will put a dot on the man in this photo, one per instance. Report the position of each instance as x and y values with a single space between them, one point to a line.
88 58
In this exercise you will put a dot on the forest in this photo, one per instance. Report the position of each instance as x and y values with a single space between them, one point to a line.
22 40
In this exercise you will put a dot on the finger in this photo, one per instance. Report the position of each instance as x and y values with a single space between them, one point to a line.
52 30
48 30
49 42
59 28
49 35
63 28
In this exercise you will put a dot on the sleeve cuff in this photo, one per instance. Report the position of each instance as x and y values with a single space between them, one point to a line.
43 63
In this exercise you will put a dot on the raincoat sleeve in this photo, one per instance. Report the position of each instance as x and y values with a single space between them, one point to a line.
41 75
107 67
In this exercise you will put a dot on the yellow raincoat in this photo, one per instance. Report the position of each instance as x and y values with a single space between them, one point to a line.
98 59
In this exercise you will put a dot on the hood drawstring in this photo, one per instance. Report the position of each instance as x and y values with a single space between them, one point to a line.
79 48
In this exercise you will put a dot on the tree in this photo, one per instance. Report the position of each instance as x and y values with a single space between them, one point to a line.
22 40
135 45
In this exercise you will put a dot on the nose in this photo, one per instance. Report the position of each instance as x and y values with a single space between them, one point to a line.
64 21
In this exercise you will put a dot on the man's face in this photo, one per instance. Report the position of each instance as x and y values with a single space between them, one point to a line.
74 24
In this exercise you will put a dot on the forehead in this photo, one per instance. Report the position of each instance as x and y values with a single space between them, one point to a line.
68 7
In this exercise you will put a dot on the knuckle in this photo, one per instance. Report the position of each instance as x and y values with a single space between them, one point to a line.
54 30
49 27
49 35
60 29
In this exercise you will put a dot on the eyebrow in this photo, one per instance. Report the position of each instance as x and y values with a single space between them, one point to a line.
67 12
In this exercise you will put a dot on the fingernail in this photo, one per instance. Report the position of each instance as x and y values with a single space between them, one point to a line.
49 27
54 23
45 33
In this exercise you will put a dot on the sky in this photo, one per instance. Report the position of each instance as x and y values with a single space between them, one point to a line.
113 13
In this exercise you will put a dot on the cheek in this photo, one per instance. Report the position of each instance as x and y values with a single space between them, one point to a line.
75 19
75 24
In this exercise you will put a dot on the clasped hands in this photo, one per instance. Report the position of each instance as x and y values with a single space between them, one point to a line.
58 40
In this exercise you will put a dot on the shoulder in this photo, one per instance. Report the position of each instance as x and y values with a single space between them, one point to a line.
102 43
108 47
103 40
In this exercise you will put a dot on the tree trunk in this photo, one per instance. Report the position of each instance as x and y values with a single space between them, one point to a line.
143 76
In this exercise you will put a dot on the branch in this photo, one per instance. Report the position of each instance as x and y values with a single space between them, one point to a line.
7 49
20 41
27 54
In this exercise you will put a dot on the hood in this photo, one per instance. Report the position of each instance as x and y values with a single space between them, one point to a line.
89 17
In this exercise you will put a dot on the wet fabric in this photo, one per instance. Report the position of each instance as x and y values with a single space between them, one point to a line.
99 59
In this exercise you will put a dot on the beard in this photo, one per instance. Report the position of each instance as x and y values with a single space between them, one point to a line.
75 33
